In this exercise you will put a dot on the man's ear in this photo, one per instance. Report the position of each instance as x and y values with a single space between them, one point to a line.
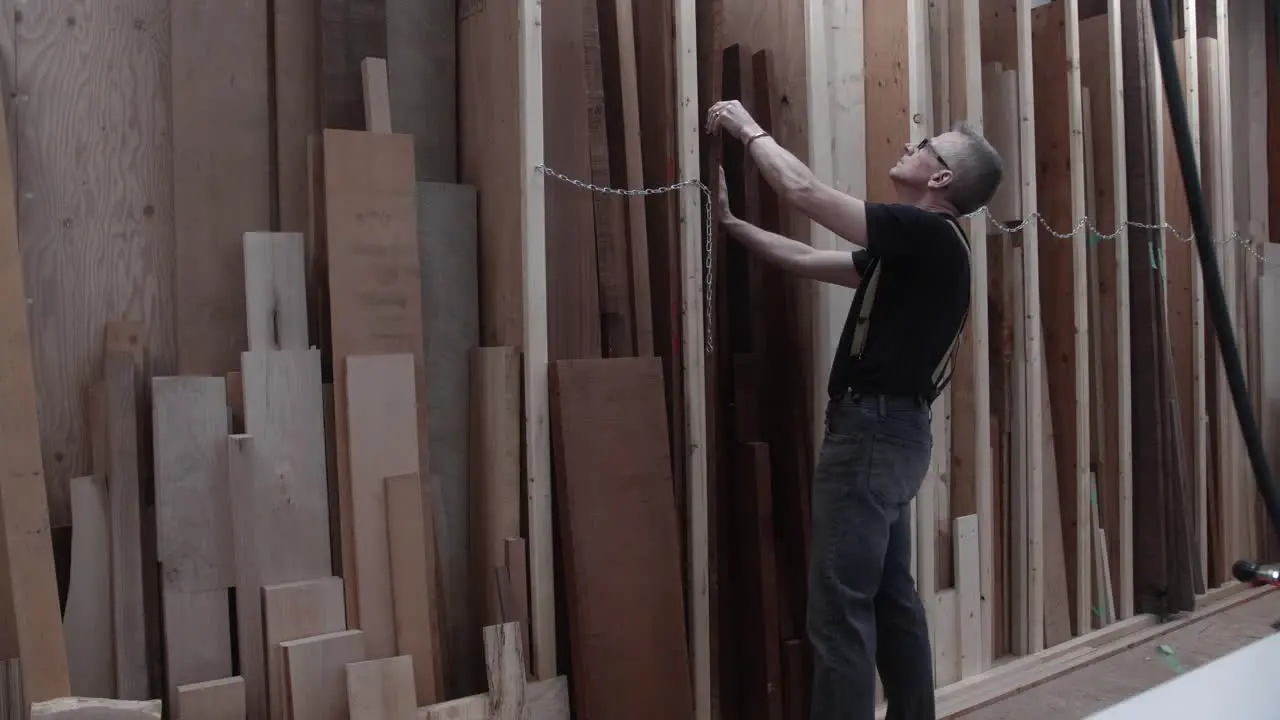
941 179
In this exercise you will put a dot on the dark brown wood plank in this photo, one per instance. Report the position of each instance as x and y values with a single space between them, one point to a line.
613 493
573 297
350 31
614 268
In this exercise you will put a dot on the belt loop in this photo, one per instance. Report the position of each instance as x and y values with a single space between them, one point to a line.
884 407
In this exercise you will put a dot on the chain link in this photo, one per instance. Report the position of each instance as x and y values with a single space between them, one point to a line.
709 271
708 281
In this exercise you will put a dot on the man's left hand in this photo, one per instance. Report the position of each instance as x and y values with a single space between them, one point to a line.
730 116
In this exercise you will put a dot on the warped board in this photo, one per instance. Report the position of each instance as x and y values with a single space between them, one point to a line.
97 224
447 216
88 618
616 509
375 297
221 171
422 62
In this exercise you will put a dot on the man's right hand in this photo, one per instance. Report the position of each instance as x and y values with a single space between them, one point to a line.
723 211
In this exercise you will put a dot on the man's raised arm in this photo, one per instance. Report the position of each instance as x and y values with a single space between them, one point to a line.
842 214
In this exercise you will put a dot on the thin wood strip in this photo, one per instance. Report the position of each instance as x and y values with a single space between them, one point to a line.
412 599
377 96
126 522
89 618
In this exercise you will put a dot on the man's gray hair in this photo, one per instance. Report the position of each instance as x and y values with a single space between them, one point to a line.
977 168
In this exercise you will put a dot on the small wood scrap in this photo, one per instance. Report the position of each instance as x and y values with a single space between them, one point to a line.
77 708
510 696
211 700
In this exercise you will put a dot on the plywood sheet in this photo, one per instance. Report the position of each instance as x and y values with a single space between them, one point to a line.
616 509
95 169
221 171
447 216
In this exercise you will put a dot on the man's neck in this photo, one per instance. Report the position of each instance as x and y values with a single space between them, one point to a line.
926 201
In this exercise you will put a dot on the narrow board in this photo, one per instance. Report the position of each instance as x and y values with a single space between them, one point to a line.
382 439
296 59
126 521
88 619
447 216
292 611
375 298
495 476
616 509
412 590
219 70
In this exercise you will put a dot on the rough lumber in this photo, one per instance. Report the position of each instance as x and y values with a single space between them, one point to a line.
75 708
510 697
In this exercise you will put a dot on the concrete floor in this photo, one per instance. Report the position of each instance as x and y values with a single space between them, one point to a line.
1095 687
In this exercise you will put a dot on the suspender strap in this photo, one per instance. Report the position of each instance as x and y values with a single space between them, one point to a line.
942 373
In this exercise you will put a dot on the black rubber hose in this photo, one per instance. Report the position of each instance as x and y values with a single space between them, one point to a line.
1219 314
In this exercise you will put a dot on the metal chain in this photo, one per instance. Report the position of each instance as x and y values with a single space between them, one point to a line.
708 269
708 281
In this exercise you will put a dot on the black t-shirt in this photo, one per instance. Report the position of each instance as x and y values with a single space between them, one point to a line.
920 303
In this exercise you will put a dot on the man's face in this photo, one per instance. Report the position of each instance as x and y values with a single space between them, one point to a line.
923 165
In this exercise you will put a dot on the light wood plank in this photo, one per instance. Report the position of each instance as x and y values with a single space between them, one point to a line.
292 611
246 469
537 404
317 668
193 512
377 97
544 700
374 276
968 590
382 689
276 291
688 138
197 636
221 699
88 619
412 599
382 437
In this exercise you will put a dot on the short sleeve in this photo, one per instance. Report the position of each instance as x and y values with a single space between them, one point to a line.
861 261
896 231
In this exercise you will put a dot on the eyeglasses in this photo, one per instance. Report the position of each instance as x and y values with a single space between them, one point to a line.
927 143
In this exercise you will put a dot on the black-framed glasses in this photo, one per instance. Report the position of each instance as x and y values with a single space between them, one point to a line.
927 143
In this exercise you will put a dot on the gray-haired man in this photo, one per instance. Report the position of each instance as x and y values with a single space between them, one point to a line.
911 271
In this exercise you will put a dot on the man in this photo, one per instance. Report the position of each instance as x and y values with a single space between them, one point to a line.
911 271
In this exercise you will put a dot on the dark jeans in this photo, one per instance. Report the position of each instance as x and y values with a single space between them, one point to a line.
864 612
